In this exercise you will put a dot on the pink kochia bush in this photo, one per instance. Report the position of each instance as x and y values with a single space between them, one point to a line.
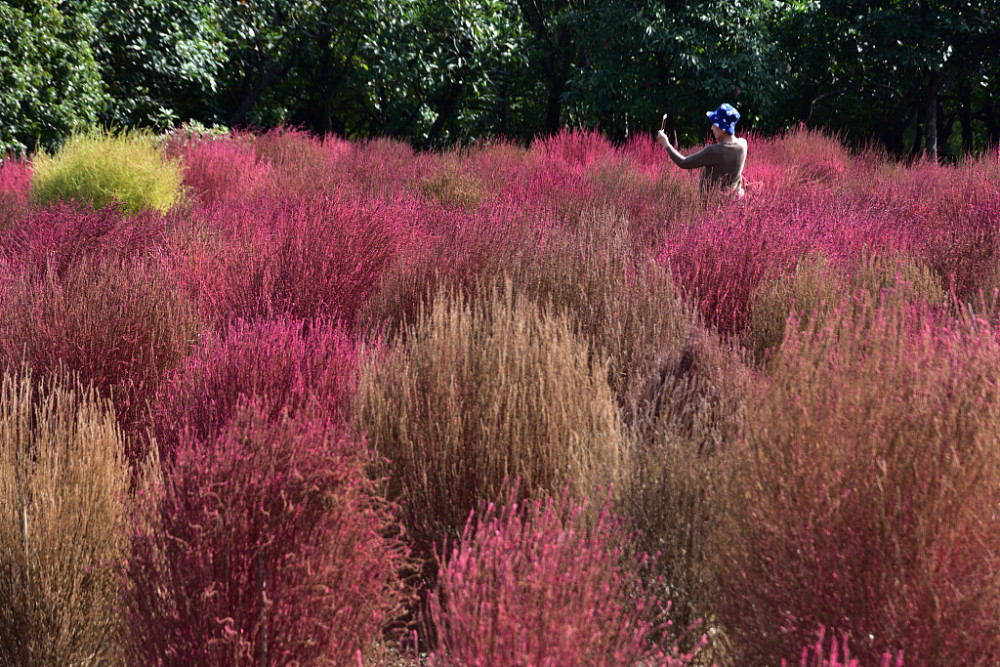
15 177
540 585
222 169
302 258
866 491
15 186
120 325
61 235
263 545
284 366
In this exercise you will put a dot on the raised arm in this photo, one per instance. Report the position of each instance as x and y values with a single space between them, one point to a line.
706 157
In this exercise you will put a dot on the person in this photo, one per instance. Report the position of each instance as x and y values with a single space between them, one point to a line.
722 162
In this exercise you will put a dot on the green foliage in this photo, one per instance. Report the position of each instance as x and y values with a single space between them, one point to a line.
104 168
683 61
889 69
439 72
160 59
49 82
915 76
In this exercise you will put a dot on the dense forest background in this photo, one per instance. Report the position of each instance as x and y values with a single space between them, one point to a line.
918 77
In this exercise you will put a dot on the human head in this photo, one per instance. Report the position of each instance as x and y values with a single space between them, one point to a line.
725 118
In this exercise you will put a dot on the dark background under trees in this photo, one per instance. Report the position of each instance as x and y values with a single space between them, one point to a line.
916 77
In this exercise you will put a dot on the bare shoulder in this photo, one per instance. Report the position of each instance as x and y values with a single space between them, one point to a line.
741 141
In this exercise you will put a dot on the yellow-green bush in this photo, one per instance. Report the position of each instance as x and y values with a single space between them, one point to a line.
101 168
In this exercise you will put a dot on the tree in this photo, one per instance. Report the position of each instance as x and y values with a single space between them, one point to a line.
909 65
49 81
160 59
681 57
554 51
327 65
438 72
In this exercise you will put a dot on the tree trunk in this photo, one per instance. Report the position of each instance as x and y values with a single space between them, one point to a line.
898 119
945 127
931 117
553 109
807 101
965 115
445 109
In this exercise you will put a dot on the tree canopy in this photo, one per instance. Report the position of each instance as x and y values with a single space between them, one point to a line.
50 85
915 76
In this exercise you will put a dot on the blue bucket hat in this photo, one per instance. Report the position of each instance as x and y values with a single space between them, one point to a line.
725 118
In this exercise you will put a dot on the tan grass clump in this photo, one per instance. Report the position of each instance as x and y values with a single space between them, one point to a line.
453 184
817 286
627 309
683 423
63 482
479 393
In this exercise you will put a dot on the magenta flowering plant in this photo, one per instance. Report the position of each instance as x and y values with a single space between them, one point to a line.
262 544
540 584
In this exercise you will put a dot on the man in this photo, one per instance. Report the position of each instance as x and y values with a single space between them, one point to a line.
722 163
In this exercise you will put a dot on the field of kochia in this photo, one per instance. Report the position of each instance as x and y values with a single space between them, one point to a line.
270 399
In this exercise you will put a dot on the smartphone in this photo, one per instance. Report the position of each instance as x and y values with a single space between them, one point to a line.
663 123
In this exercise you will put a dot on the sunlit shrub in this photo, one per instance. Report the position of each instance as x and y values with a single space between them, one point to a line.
102 169
865 490
538 586
285 367
63 488
120 326
263 545
477 393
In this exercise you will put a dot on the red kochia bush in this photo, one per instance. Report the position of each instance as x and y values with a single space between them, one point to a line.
62 234
15 177
303 258
223 168
120 325
720 260
866 487
261 546
15 184
536 585
284 366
